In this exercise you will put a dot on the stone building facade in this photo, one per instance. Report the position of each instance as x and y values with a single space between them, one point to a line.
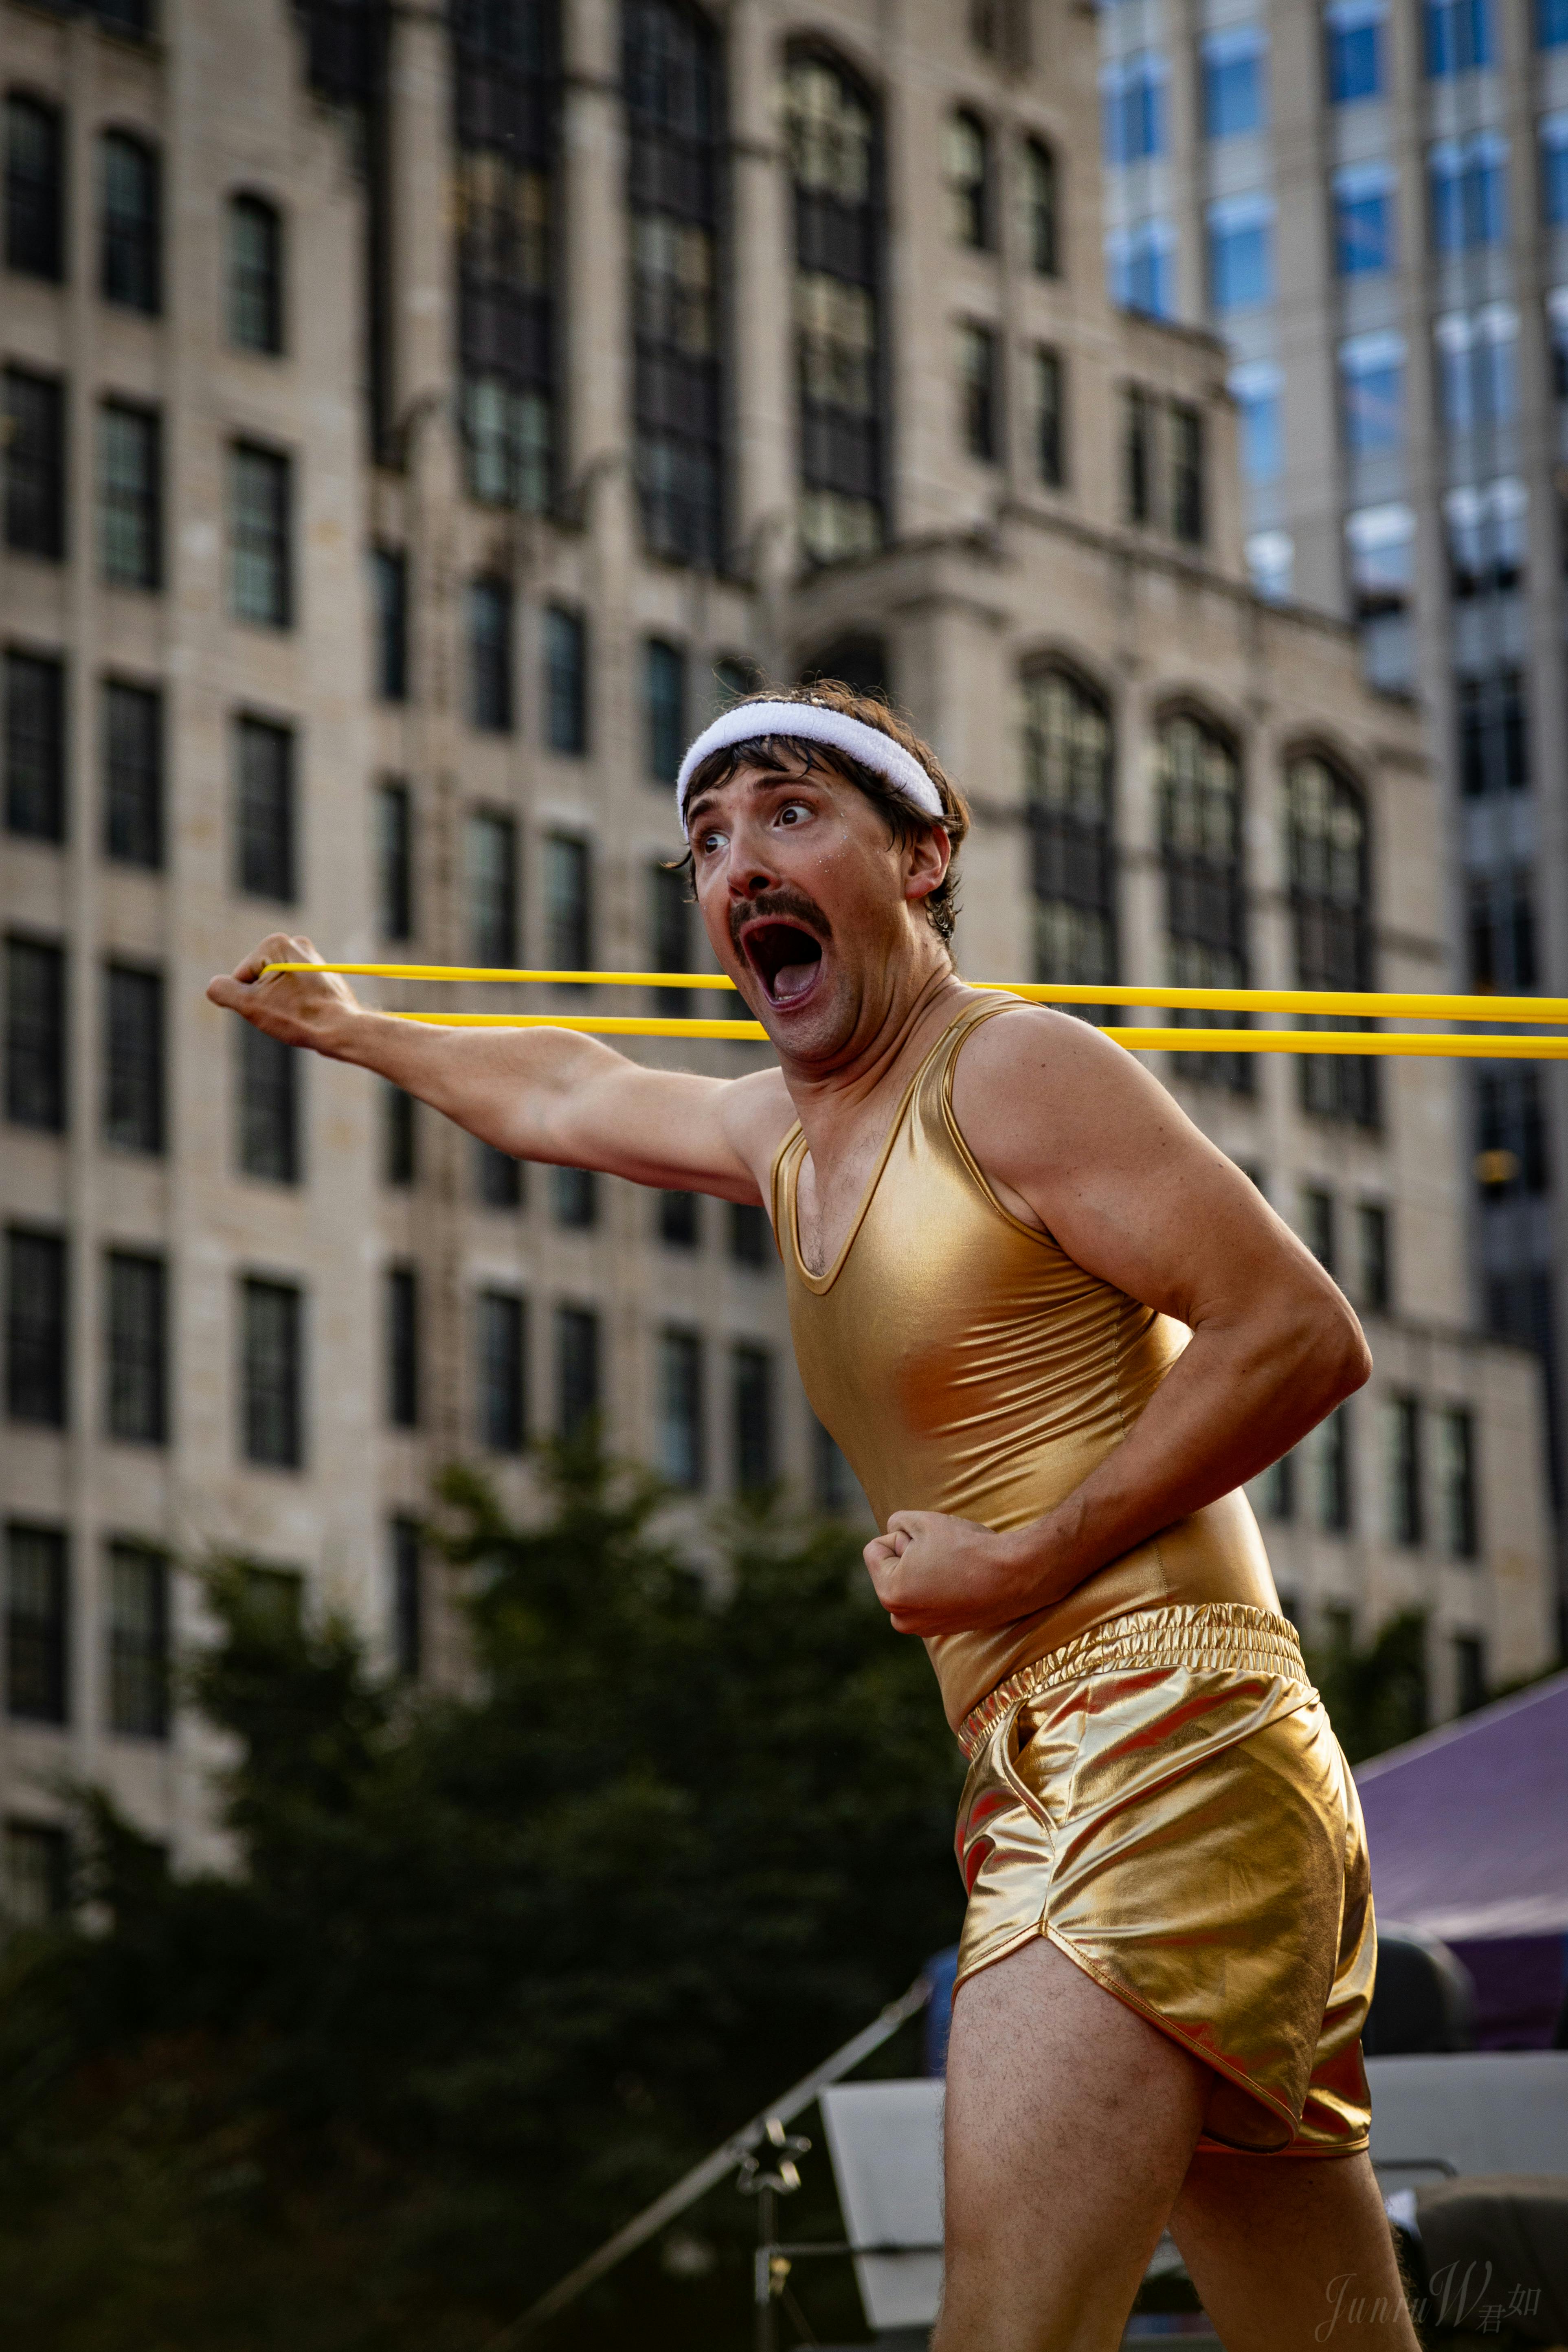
415 428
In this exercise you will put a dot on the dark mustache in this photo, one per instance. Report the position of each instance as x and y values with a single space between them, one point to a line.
788 905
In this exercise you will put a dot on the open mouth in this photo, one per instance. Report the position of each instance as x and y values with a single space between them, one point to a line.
785 957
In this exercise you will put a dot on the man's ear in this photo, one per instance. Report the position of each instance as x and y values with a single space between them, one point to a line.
930 856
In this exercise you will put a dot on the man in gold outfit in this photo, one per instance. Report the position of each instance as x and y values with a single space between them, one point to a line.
1054 1330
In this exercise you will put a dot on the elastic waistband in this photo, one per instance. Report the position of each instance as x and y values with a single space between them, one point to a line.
1228 1636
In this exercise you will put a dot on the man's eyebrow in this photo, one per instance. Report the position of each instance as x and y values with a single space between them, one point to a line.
768 778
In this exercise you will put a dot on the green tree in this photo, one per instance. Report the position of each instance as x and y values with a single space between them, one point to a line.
1377 1696
493 1968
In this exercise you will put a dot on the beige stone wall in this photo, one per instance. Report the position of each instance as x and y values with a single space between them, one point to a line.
988 571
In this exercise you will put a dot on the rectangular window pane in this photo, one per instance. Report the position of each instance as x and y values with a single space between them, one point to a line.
133 725
35 746
36 1092
1050 442
1186 473
751 1235
487 607
1331 1442
1376 1257
37 1887
1469 1672
979 392
1235 82
1241 253
38 1600
664 686
574 1198
263 810
834 1489
399 1156
1456 1481
268 1122
129 495
566 680
498 1178
35 1328
576 1370
34 464
1355 40
404 1545
35 187
680 1415
135 1354
254 276
501 1371
129 269
568 909
678 1218
754 1409
402 1333
394 858
1404 1472
271 1374
1318 1226
1040 209
138 1641
132 1059
389 606
491 861
260 565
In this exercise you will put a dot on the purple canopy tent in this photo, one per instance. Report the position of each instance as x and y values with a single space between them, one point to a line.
1468 1829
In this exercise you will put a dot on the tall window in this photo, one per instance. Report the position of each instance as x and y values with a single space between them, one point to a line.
401 1337
1502 929
1366 243
498 1178
1041 208
968 159
1403 1470
1236 81
271 1370
670 927
35 436
1551 24
254 275
1067 780
574 1198
1256 388
37 1624
490 843
681 1433
1478 375
135 1352
1494 741
980 392
1469 183
1320 1222
678 1219
1355 35
266 1107
1459 36
35 1091
1331 1458
1374 1256
565 680
129 255
673 74
835 156
399 1138
568 905
664 705
1137 455
406 1546
35 746
501 1333
264 860
1141 268
1511 1152
389 610
508 82
751 1376
1187 501
394 858
131 732
751 1236
133 1059
1205 898
1554 168
1241 253
129 495
1371 394
1331 909
35 1360
576 1370
489 612
138 1641
1457 1482
260 561
1133 107
35 187
1049 422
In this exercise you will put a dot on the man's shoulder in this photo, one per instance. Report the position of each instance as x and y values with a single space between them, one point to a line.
758 1113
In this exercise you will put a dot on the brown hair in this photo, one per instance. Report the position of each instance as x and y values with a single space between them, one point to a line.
790 754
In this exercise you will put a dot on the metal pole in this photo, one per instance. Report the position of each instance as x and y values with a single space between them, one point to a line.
766 2333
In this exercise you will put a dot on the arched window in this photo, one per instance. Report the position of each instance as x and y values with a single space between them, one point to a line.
506 77
1206 897
835 149
968 161
1330 913
254 275
1067 780
128 257
35 186
673 74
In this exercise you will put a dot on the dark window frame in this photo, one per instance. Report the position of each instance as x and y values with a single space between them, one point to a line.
252 292
272 1373
35 201
261 493
136 1385
38 1327
36 461
131 501
135 1047
138 1641
39 1639
37 772
130 266
133 778
38 1033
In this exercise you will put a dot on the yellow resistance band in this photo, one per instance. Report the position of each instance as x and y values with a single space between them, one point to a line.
1354 1003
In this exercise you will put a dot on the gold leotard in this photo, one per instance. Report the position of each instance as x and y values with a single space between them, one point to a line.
1153 1785
966 1364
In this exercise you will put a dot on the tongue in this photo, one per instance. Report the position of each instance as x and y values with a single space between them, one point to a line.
792 980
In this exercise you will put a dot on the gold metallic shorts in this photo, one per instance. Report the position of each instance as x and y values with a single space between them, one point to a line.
1164 1799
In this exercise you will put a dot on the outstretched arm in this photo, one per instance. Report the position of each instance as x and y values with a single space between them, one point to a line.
539 1094
1075 1136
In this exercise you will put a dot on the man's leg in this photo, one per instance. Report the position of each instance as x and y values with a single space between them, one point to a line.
1071 2126
1288 2253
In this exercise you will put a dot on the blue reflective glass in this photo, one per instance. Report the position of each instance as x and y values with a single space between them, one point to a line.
1374 408
1356 59
1554 171
1233 85
1262 440
1363 232
1551 24
1241 264
1458 36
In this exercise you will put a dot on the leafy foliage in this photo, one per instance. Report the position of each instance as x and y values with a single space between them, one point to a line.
1377 1696
494 1966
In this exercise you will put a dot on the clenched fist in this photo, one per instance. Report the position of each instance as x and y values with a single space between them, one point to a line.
299 1008
935 1574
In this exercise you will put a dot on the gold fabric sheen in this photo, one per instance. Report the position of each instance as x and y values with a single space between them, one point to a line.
1153 1784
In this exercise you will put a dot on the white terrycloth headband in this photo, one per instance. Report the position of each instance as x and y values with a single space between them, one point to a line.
814 722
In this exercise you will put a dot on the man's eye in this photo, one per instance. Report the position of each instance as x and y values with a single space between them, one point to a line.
792 812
